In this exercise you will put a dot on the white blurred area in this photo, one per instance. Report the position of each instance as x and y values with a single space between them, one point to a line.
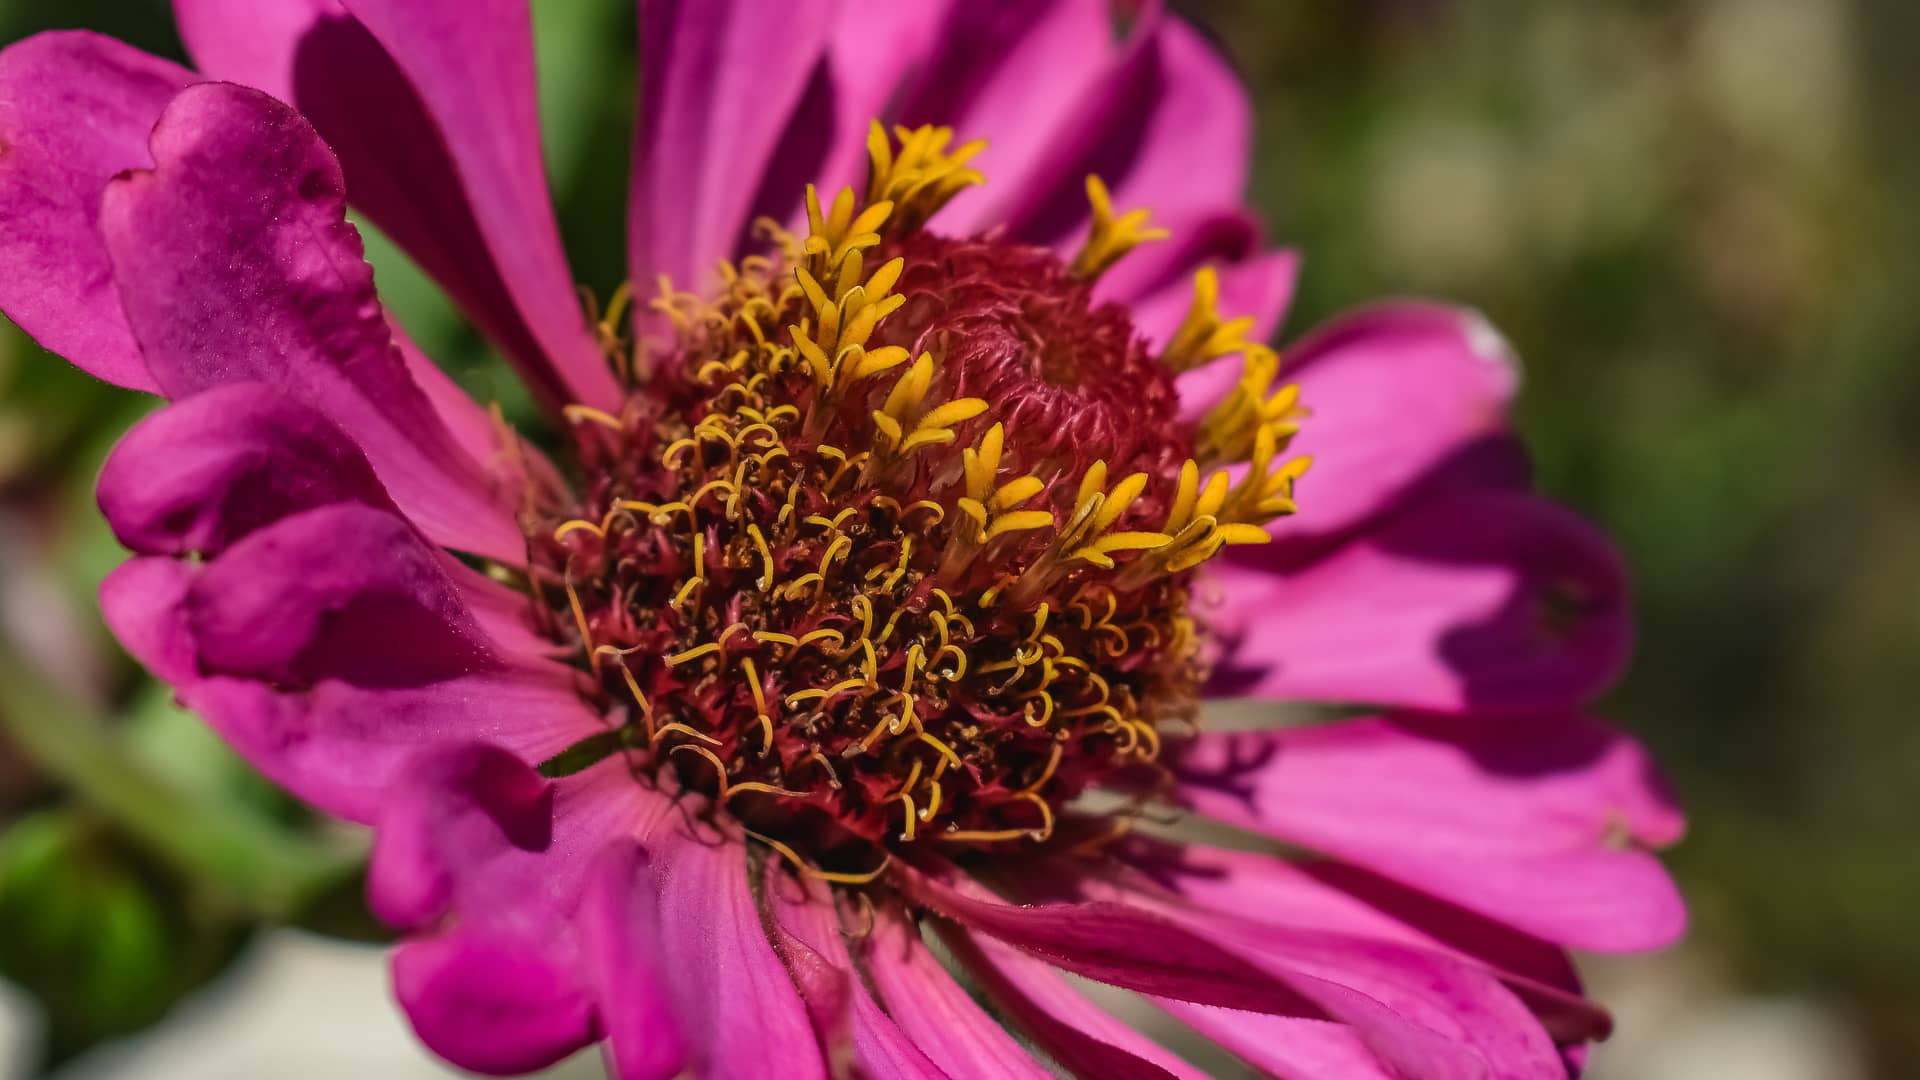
1677 1019
299 1007
296 1007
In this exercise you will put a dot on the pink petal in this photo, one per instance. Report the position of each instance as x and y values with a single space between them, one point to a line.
1395 391
453 816
1284 1046
736 1004
1325 895
494 1004
805 915
237 264
200 474
1084 1038
621 932
823 975
1537 823
472 63
1169 127
144 604
720 80
331 644
504 614
875 44
1486 601
1399 995
956 1034
473 428
1422 1013
430 105
536 953
469 832
1016 73
1102 942
75 108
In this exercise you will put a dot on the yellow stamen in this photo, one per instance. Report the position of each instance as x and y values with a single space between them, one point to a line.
1204 335
1112 237
923 176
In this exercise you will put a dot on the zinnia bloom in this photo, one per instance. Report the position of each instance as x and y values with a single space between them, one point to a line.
896 527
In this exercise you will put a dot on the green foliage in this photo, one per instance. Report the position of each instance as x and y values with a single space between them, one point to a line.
105 940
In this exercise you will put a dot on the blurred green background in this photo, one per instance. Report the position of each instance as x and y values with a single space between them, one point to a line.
1693 218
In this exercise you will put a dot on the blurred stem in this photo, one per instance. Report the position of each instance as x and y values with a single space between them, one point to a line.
267 871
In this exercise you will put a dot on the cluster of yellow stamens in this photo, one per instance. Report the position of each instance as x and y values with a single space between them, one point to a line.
791 589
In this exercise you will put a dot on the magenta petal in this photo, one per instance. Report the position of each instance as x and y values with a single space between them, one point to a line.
1193 145
1424 1014
1395 392
1102 942
470 837
343 592
736 1004
720 79
1481 601
200 474
237 264
472 427
75 108
144 603
1536 822
621 931
807 918
1398 998
430 107
874 45
1075 1032
331 644
469 833
1016 73
956 1034
474 803
1289 1047
1325 895
1169 127
494 1004
472 63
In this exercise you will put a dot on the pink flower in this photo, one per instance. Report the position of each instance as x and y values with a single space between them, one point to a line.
874 589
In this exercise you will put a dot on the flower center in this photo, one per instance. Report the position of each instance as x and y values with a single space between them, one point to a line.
901 556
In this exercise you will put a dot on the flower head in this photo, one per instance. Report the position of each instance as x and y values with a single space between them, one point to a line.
899 525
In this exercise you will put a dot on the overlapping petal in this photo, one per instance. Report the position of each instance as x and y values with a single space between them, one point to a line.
431 107
735 1002
200 475
235 263
505 877
1084 1038
1016 72
1338 897
806 916
1488 601
1166 101
75 109
1541 823
943 1021
714 103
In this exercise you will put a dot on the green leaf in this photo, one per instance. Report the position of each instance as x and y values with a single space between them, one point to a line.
584 754
103 939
